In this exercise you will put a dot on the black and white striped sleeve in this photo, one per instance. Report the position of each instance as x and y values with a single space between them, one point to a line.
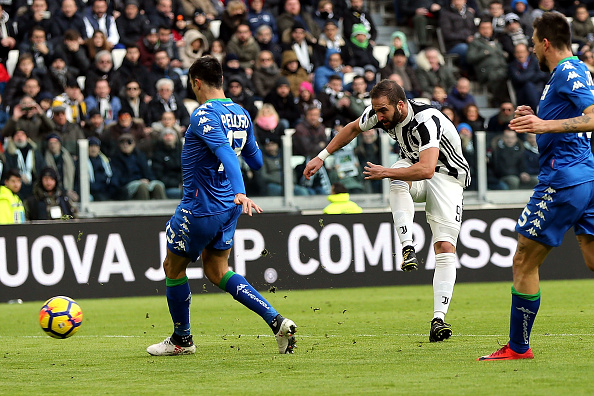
368 119
429 131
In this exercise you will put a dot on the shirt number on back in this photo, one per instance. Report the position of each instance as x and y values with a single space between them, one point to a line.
234 136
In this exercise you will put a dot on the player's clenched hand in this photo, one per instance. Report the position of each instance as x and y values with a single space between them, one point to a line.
373 171
527 123
522 111
247 204
312 167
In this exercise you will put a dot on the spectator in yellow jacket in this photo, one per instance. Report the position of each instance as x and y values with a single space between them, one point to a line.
12 210
340 201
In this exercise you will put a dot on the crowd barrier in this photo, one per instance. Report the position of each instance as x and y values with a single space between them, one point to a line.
122 256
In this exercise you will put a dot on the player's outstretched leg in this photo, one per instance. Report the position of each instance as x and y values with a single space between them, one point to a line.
284 329
523 312
180 342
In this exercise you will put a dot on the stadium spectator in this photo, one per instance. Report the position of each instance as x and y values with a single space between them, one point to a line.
130 69
340 201
512 36
335 103
324 13
531 161
545 6
293 13
7 40
134 101
201 22
196 46
265 74
100 172
421 13
282 99
398 40
450 112
202 7
522 9
168 44
291 69
526 77
368 150
217 50
48 201
126 125
582 28
399 65
460 95
40 49
245 47
258 16
431 71
167 121
102 69
302 43
25 69
500 121
68 132
166 162
267 125
457 25
4 116
70 49
131 24
73 101
58 75
68 18
148 45
588 58
164 13
496 15
370 76
439 98
237 93
29 117
132 175
234 15
59 159
310 135
163 69
271 173
167 100
467 140
95 43
471 116
108 105
266 43
330 38
22 154
36 14
98 18
307 98
12 210
360 98
356 14
508 160
95 126
232 68
360 50
333 67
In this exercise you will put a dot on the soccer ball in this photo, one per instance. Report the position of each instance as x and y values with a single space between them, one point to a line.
60 317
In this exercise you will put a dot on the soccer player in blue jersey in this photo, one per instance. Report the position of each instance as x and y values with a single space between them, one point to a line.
564 196
213 199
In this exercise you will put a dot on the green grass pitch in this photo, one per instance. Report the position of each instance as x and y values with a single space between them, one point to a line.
350 341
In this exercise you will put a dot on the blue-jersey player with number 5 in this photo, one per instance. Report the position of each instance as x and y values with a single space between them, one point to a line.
213 199
564 196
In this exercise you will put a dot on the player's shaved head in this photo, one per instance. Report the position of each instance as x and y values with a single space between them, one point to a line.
553 26
208 70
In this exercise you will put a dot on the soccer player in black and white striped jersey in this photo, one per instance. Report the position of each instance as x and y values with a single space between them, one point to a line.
432 169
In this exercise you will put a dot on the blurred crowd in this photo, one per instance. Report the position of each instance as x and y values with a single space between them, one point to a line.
304 66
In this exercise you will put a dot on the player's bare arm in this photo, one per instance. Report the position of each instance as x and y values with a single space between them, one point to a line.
533 124
422 170
346 135
248 205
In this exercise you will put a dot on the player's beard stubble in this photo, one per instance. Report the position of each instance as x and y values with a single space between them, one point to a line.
395 120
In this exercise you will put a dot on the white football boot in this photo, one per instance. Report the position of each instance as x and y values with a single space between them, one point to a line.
168 348
286 336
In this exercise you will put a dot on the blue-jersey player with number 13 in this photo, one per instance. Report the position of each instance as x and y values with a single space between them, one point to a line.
213 198
564 196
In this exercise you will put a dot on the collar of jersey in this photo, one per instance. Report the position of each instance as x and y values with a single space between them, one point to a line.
409 116
566 59
219 99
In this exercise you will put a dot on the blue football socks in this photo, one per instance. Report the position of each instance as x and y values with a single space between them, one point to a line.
242 291
179 298
524 308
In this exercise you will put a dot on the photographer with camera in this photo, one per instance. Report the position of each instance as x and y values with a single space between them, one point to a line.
29 117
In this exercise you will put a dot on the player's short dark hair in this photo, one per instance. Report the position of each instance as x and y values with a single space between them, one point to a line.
13 173
554 27
208 70
389 89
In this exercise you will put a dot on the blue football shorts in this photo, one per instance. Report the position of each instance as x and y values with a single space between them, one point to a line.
188 235
551 212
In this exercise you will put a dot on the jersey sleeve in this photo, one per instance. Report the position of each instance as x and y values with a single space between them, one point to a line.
429 132
368 120
578 85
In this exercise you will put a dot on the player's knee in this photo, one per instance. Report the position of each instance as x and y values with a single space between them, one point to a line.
444 247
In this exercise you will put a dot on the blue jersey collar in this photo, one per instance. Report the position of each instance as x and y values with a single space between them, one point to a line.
219 99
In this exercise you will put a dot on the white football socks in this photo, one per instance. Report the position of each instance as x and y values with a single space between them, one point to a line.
403 211
444 279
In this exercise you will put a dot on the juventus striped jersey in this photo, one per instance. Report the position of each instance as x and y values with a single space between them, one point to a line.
425 127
